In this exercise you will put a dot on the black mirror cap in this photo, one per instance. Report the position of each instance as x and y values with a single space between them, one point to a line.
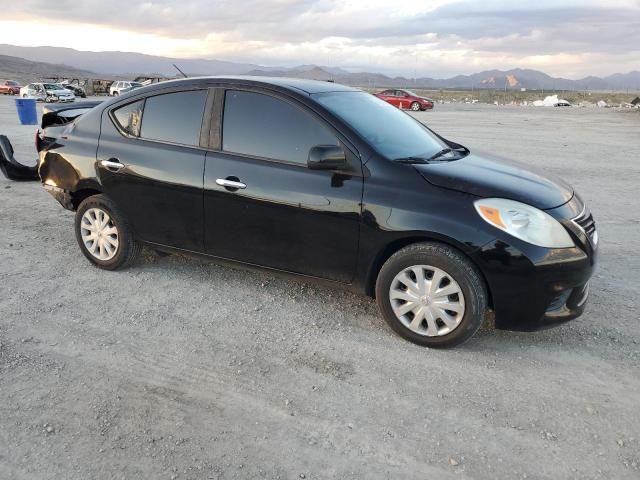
326 157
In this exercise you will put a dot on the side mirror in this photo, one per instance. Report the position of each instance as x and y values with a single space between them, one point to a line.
326 157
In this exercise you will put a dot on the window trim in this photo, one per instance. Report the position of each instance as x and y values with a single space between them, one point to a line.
144 98
342 140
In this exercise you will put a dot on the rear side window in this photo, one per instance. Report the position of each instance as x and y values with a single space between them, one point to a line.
128 117
174 117
263 126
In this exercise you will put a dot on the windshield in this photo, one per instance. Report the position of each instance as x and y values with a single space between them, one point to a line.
413 94
11 83
393 133
51 86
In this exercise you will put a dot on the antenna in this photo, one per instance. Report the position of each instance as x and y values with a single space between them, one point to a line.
181 72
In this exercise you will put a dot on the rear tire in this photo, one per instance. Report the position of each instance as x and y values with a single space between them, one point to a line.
460 287
104 235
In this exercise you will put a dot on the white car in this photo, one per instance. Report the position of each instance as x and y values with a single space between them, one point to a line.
120 87
47 92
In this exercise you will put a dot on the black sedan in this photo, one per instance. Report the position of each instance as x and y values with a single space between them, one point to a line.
332 183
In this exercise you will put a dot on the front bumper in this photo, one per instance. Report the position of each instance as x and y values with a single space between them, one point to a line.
535 287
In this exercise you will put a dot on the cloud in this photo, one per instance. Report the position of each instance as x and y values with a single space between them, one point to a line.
399 37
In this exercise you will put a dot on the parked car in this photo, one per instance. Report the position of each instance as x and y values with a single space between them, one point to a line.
405 99
9 87
47 92
77 90
120 87
329 182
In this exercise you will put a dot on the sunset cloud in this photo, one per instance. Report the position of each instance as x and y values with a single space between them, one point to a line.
435 38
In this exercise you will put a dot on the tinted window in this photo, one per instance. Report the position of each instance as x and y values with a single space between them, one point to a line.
174 117
264 126
128 117
391 132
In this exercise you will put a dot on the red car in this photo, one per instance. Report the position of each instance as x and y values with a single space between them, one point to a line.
405 99
9 87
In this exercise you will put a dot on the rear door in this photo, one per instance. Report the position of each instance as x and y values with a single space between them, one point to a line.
283 215
151 163
390 97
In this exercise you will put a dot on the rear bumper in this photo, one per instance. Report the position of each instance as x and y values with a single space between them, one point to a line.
535 288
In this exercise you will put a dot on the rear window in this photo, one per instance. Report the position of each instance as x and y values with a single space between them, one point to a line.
174 117
128 117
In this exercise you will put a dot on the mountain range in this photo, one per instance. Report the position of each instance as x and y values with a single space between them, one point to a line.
128 64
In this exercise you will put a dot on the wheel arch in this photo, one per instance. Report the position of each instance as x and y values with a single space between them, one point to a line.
394 246
81 194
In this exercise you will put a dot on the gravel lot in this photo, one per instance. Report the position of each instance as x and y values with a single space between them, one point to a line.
182 369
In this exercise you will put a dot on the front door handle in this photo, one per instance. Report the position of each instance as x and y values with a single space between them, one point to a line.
112 164
231 184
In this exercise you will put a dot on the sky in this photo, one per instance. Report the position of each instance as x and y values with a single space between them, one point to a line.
436 38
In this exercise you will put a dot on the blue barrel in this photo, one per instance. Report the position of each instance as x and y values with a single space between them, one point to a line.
27 112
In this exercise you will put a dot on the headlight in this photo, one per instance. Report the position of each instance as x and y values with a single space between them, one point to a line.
524 222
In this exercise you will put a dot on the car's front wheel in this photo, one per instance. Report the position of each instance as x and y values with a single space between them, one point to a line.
431 295
104 235
415 106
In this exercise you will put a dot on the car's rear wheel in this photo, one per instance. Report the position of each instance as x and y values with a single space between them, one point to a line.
104 235
415 106
431 295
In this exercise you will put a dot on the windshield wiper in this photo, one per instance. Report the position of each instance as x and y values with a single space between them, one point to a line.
412 160
444 151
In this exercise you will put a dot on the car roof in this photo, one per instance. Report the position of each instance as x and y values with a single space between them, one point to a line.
299 85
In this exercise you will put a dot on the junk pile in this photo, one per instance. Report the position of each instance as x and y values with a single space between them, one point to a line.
550 101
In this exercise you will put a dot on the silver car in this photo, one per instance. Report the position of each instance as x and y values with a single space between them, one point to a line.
120 87
47 92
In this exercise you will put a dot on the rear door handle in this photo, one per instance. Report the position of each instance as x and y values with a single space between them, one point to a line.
112 164
223 182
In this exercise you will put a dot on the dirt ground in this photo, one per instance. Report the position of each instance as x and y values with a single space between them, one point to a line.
182 369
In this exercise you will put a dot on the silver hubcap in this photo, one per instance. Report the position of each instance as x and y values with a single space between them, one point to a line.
427 300
99 234
415 106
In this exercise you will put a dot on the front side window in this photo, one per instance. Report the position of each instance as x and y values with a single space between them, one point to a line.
174 117
264 126
128 117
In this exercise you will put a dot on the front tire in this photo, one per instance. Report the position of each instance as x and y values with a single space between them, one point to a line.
415 106
431 295
104 235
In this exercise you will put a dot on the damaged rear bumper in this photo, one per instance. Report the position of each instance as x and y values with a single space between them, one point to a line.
62 196
11 168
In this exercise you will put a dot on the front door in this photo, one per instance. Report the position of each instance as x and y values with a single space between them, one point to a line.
150 163
278 213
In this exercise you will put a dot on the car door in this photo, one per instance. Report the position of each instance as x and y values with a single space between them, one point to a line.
150 162
403 100
390 97
280 214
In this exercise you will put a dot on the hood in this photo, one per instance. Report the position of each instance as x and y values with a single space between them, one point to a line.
486 176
